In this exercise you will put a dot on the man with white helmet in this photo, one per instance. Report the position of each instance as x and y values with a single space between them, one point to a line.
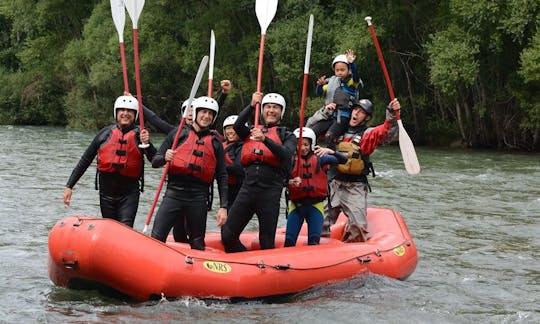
340 90
349 184
308 187
120 163
197 159
267 158
233 149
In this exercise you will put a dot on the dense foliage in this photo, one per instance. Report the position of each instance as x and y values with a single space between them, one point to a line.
465 71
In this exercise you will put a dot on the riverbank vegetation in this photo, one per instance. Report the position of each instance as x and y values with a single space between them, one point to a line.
466 72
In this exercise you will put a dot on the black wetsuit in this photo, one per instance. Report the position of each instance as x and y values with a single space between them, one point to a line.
184 204
235 170
118 194
261 189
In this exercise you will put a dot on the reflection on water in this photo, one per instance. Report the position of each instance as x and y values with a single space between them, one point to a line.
473 215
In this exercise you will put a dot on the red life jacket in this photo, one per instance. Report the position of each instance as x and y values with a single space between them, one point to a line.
314 180
255 151
231 179
196 157
121 154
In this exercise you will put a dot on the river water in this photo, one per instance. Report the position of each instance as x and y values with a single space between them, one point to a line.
474 216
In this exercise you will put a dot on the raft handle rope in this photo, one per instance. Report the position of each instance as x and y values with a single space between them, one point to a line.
260 264
282 266
364 260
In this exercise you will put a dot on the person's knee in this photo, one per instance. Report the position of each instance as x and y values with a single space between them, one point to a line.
180 234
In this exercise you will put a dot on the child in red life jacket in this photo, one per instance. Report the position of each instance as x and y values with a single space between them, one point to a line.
308 187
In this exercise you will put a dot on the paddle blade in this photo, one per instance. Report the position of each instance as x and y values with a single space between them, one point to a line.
134 8
308 45
265 10
196 83
119 17
212 52
407 151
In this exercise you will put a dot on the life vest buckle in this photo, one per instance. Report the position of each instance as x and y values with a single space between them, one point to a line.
121 152
118 165
198 153
195 167
257 151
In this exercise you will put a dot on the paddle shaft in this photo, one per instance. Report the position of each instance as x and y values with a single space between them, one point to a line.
259 78
124 68
405 144
304 90
138 76
211 64
163 176
118 12
383 64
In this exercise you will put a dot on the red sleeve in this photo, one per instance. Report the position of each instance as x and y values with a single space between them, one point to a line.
373 137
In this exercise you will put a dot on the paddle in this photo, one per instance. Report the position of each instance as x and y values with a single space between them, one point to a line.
211 63
265 10
194 88
304 87
119 17
405 144
134 8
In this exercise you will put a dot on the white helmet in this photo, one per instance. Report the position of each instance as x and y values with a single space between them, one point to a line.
275 98
205 102
229 121
126 102
184 105
340 58
307 133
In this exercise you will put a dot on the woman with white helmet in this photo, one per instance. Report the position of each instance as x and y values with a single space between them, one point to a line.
119 163
308 187
233 149
267 157
340 90
197 159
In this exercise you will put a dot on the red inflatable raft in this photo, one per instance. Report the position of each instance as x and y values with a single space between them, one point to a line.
105 252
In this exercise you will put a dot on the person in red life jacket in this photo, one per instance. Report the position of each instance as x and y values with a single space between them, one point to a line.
233 150
194 163
349 185
267 159
308 187
120 163
179 232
